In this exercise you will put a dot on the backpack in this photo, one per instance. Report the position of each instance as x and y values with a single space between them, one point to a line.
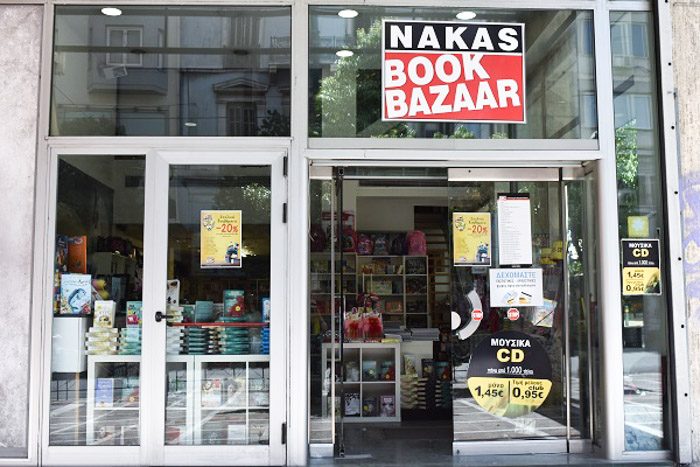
397 244
364 245
415 243
381 245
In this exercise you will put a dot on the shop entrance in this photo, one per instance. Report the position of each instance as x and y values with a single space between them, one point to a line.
463 307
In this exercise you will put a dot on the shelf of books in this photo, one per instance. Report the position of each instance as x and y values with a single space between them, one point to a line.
372 390
401 282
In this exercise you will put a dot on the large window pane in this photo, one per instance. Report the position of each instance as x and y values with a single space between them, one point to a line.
345 91
171 71
96 326
641 215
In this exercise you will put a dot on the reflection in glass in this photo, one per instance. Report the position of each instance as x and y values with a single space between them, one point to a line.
96 327
641 214
218 377
346 91
171 71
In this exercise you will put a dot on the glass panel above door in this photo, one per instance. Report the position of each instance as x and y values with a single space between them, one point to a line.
218 310
345 68
171 71
96 326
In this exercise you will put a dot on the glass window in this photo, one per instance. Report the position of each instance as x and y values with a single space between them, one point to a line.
641 215
171 71
345 98
96 330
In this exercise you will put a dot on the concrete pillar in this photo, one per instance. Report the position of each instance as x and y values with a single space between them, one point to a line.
20 53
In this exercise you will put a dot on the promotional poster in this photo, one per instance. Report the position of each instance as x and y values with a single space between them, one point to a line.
471 238
641 267
221 239
453 71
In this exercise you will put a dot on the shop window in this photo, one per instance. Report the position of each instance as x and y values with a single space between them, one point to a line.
345 90
641 217
181 66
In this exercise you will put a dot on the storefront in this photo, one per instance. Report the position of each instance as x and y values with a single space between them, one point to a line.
274 231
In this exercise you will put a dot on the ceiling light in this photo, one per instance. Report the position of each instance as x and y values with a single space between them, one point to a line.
345 53
466 15
190 124
347 13
111 11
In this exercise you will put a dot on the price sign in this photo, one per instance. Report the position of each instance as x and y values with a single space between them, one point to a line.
641 267
509 374
471 238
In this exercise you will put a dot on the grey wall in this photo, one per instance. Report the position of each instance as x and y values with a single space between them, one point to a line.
20 36
686 40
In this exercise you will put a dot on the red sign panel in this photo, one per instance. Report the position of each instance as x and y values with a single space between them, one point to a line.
513 314
453 72
477 315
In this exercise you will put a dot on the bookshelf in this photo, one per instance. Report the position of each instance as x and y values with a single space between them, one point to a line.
358 355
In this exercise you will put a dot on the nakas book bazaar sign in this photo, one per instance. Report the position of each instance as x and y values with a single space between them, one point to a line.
453 71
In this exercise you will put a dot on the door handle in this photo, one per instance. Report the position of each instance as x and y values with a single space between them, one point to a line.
160 316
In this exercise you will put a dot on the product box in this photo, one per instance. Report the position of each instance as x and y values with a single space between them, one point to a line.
104 313
104 393
212 390
133 313
76 294
77 254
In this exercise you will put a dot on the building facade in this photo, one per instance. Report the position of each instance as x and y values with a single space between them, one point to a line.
221 248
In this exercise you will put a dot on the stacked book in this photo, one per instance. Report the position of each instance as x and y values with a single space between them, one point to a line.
101 341
425 334
409 391
130 341
173 344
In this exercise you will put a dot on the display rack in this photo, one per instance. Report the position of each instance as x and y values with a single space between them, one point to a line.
360 352
320 279
402 284
190 411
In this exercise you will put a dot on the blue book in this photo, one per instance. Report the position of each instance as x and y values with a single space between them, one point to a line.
104 392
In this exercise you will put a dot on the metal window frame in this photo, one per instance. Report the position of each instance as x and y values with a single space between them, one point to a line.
304 151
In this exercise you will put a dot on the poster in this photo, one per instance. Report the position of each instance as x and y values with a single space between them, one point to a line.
453 71
471 238
641 267
516 287
514 229
220 239
509 374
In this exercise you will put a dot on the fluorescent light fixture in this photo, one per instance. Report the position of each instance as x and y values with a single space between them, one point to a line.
190 124
466 15
347 13
111 11
345 53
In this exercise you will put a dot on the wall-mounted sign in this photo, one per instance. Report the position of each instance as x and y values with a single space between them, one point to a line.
453 71
509 374
514 229
220 243
515 287
641 267
471 238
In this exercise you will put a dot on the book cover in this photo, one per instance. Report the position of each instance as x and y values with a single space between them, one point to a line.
104 392
428 367
266 309
387 406
369 406
352 404
133 313
369 370
77 254
212 392
104 313
76 294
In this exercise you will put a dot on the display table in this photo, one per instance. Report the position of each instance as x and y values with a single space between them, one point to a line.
361 358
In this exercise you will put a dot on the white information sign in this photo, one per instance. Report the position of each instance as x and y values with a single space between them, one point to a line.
514 230
516 287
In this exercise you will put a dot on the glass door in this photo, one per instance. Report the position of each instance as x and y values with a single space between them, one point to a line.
216 309
522 300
